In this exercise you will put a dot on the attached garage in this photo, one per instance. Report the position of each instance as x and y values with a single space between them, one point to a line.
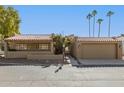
97 48
98 51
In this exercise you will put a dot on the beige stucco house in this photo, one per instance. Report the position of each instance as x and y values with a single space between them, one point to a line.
41 47
97 48
30 47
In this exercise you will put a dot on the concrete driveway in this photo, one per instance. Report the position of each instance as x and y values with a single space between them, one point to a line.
96 62
51 76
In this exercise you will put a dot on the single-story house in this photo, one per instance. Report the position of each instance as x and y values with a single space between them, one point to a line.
97 48
41 47
30 47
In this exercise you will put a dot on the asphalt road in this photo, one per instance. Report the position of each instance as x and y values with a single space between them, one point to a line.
57 76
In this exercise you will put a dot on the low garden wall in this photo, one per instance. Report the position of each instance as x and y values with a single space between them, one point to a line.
45 57
33 55
24 54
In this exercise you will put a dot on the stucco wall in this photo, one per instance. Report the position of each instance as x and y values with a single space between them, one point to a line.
123 47
110 50
45 57
24 54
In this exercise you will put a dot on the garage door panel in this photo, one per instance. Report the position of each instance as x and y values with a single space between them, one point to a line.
98 51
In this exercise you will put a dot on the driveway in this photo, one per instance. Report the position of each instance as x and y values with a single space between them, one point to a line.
96 62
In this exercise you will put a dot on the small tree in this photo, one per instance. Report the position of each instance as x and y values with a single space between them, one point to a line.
9 22
59 41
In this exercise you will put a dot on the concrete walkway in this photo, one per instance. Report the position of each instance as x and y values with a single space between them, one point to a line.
73 61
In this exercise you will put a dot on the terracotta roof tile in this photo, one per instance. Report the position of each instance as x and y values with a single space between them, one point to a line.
97 39
30 37
121 38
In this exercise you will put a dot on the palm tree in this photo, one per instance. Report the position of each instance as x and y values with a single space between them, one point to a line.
89 16
109 14
99 21
94 13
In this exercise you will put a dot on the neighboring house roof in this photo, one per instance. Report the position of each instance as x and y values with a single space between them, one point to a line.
30 37
90 39
121 38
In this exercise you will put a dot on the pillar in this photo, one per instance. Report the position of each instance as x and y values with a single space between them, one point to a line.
5 49
52 48
119 50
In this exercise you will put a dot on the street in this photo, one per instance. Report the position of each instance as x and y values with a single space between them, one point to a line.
38 76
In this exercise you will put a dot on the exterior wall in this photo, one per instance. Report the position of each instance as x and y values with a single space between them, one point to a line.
44 57
123 48
24 54
5 48
119 50
52 48
78 50
73 47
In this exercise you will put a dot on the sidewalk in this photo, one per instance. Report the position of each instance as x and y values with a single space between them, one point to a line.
37 76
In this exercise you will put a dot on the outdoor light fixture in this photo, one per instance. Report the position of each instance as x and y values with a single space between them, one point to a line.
78 45
119 45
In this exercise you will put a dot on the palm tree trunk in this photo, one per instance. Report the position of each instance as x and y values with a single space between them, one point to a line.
109 26
99 31
93 26
89 27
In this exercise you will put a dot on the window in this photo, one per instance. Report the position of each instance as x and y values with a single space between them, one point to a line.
44 46
21 47
29 47
32 46
11 46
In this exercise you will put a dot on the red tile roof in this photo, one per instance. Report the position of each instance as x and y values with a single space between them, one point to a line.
98 39
121 38
29 37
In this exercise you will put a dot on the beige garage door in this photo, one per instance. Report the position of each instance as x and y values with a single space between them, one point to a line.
98 51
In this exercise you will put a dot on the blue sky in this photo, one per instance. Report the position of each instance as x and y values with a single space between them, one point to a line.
68 19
